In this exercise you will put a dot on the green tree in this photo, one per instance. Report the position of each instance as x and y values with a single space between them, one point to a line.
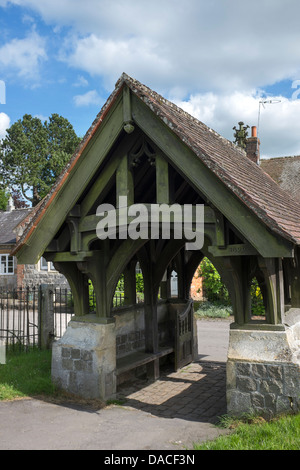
3 199
257 302
33 154
214 289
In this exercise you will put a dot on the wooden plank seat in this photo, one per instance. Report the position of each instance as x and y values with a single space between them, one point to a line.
140 358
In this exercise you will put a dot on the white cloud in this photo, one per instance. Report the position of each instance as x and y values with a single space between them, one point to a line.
41 117
111 58
4 124
212 58
279 124
198 45
24 56
81 82
87 99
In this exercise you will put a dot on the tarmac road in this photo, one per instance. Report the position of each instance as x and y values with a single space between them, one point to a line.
213 337
31 424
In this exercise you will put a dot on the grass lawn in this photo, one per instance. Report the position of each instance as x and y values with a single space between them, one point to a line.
29 375
26 374
279 434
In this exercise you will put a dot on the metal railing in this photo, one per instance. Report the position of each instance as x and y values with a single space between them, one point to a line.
21 315
63 309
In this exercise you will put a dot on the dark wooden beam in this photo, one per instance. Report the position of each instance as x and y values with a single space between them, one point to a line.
233 250
162 180
124 181
68 257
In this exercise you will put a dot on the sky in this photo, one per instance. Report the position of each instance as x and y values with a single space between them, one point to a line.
217 59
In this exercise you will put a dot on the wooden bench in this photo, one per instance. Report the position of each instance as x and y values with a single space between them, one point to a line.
140 358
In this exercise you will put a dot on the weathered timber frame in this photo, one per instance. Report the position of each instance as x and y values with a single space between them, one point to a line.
107 163
132 151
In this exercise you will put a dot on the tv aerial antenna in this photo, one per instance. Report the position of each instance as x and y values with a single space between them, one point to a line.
262 103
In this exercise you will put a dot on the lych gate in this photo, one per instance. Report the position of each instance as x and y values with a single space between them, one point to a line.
143 149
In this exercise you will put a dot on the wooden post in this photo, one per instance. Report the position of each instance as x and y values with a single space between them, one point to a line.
150 298
273 281
75 235
46 316
124 181
130 284
78 282
96 267
292 279
239 288
150 306
164 287
220 230
162 180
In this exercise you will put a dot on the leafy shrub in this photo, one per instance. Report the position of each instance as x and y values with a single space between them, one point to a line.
92 297
214 289
216 292
257 303
139 282
213 310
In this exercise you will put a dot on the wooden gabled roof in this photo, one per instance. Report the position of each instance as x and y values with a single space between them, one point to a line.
246 180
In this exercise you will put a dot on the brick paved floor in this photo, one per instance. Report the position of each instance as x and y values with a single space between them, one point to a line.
196 392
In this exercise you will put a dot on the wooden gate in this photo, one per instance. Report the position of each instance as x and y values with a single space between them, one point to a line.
184 336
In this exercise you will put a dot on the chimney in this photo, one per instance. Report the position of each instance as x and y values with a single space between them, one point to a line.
252 146
10 205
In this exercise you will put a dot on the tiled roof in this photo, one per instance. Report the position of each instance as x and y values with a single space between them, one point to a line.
255 188
245 179
8 222
285 171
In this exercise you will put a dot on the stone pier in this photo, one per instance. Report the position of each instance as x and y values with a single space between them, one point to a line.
263 372
84 359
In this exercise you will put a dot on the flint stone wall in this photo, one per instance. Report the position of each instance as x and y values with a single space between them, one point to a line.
266 389
34 277
263 372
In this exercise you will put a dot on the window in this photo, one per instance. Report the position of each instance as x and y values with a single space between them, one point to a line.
138 269
46 266
7 264
174 284
43 264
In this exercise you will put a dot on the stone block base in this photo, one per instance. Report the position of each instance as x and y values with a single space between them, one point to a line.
263 376
84 360
264 389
